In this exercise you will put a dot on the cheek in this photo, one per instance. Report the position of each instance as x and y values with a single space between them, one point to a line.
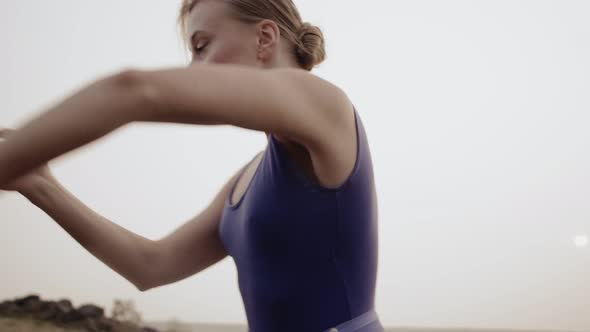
233 53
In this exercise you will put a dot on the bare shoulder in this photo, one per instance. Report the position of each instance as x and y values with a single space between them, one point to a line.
328 97
331 154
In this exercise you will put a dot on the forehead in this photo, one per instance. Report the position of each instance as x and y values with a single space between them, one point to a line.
207 15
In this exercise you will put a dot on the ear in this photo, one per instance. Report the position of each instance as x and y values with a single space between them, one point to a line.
269 35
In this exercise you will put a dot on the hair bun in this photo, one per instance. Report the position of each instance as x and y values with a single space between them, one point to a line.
305 28
311 50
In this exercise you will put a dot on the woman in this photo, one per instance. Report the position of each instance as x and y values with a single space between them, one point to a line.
299 220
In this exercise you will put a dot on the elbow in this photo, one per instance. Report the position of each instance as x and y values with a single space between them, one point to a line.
145 266
128 77
142 288
134 85
143 285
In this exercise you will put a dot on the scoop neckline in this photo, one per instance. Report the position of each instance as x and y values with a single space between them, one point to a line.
312 184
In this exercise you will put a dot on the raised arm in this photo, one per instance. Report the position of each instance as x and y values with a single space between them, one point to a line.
288 102
83 117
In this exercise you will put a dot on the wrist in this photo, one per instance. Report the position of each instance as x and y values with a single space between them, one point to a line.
38 187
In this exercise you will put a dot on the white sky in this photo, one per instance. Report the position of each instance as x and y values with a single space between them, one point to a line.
477 114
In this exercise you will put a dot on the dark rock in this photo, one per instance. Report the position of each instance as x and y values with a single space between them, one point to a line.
70 316
64 305
4 305
91 325
87 317
32 306
49 311
65 312
22 302
105 324
91 311
8 308
100 324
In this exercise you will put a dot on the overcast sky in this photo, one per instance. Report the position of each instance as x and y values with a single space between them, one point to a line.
477 114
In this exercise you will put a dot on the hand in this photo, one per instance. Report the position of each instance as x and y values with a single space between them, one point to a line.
27 181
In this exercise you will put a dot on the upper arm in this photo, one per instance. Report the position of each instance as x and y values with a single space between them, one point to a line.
193 246
288 102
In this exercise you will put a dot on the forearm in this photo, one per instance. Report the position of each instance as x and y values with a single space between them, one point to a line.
129 254
83 117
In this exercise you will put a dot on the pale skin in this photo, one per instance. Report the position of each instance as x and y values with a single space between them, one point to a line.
245 76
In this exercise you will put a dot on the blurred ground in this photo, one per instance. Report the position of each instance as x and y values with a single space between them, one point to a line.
29 325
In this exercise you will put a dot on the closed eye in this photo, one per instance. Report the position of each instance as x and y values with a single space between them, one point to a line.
199 49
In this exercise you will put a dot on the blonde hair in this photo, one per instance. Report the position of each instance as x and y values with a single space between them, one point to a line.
307 39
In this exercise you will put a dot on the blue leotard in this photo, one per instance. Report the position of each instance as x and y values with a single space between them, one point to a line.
306 255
